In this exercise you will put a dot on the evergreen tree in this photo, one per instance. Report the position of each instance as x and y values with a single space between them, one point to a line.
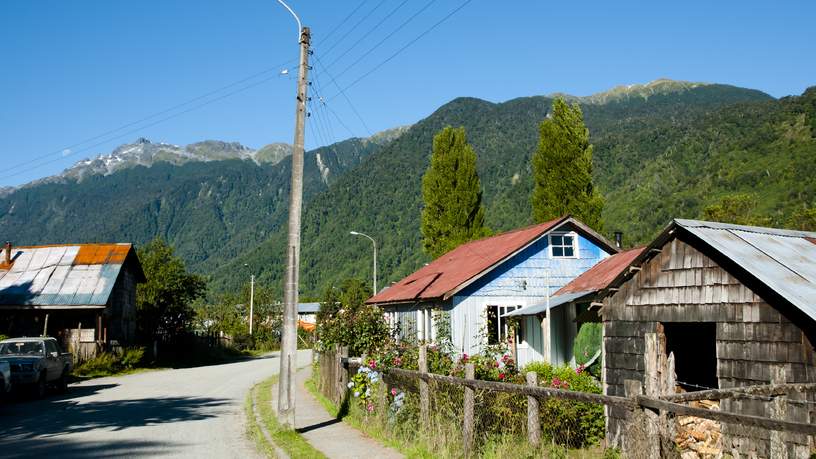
452 193
562 169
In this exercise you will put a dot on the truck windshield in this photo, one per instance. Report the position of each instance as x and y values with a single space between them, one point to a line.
22 348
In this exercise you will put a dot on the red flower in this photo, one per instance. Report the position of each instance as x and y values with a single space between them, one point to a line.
464 358
372 363
501 375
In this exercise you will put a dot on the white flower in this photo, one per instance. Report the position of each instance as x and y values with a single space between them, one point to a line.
357 394
350 385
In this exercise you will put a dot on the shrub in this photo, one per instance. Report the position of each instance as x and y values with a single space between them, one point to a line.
345 320
132 357
108 363
566 422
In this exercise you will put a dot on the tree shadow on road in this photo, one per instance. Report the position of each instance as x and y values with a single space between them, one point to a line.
35 427
41 447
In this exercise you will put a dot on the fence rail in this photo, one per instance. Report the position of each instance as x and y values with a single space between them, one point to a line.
650 409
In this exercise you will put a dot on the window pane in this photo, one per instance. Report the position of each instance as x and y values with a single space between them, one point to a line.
558 240
567 240
492 325
558 251
568 251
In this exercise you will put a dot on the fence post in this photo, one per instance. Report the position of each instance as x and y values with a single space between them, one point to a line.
342 375
533 421
778 411
424 398
468 421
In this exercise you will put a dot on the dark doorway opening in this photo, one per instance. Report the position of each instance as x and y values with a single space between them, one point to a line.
695 354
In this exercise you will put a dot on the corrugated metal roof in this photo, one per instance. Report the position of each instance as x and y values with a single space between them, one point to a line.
456 269
62 275
599 276
308 308
784 260
555 301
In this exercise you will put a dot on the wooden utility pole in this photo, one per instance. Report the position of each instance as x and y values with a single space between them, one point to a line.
288 354
251 301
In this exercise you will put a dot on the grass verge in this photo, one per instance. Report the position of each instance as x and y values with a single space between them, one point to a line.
290 441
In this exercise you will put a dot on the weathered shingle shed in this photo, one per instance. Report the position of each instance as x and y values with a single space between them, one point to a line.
735 305
85 292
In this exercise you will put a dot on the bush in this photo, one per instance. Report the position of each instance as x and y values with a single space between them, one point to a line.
132 357
345 320
566 422
108 363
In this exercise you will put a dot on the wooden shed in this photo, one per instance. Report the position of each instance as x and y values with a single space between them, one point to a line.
734 306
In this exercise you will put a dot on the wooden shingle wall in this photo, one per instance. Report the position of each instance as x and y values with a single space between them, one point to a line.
753 340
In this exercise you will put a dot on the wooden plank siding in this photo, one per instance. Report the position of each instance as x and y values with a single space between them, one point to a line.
681 284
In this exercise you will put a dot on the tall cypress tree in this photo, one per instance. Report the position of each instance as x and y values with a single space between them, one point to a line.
453 212
562 169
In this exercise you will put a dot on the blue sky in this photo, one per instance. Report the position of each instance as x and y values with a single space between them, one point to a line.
75 70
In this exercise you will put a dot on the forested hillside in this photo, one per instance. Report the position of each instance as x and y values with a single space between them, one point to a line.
662 150
632 135
209 211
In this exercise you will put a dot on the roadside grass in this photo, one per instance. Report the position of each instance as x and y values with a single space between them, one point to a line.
290 441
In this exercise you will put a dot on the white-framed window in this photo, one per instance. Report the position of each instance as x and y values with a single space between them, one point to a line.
563 245
497 326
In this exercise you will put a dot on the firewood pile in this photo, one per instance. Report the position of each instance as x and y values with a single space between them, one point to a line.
699 438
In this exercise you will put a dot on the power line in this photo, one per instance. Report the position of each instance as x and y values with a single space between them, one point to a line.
132 131
417 38
337 27
368 33
345 96
147 118
373 48
340 40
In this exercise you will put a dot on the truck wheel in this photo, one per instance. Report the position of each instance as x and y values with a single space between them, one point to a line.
41 386
62 382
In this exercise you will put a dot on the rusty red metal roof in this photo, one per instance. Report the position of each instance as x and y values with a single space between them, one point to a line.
442 277
599 276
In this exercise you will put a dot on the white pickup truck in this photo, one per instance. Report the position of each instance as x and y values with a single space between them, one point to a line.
37 363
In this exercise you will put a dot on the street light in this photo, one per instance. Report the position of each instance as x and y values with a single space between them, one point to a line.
251 298
355 233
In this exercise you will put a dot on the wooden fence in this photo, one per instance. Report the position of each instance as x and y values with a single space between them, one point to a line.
648 413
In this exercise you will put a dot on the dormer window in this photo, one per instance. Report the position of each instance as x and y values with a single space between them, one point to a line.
563 245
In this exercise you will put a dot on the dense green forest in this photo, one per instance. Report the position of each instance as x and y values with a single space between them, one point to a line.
208 211
657 155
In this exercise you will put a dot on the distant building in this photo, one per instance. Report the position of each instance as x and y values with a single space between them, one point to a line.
307 312
480 282
731 306
82 294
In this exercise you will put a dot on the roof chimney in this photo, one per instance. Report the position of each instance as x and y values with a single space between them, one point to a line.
8 253
619 239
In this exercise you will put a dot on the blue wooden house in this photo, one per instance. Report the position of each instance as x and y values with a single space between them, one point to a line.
479 282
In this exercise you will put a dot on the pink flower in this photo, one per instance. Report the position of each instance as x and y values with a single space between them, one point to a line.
372 364
556 382
580 369
496 364
397 361
464 358
393 391
370 407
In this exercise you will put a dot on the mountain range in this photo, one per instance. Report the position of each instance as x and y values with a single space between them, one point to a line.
662 150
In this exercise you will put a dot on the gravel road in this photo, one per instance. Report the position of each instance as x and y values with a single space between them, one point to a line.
190 412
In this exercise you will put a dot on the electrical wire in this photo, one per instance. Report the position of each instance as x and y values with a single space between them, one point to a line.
353 28
380 43
149 117
417 38
337 27
132 131
345 96
367 34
